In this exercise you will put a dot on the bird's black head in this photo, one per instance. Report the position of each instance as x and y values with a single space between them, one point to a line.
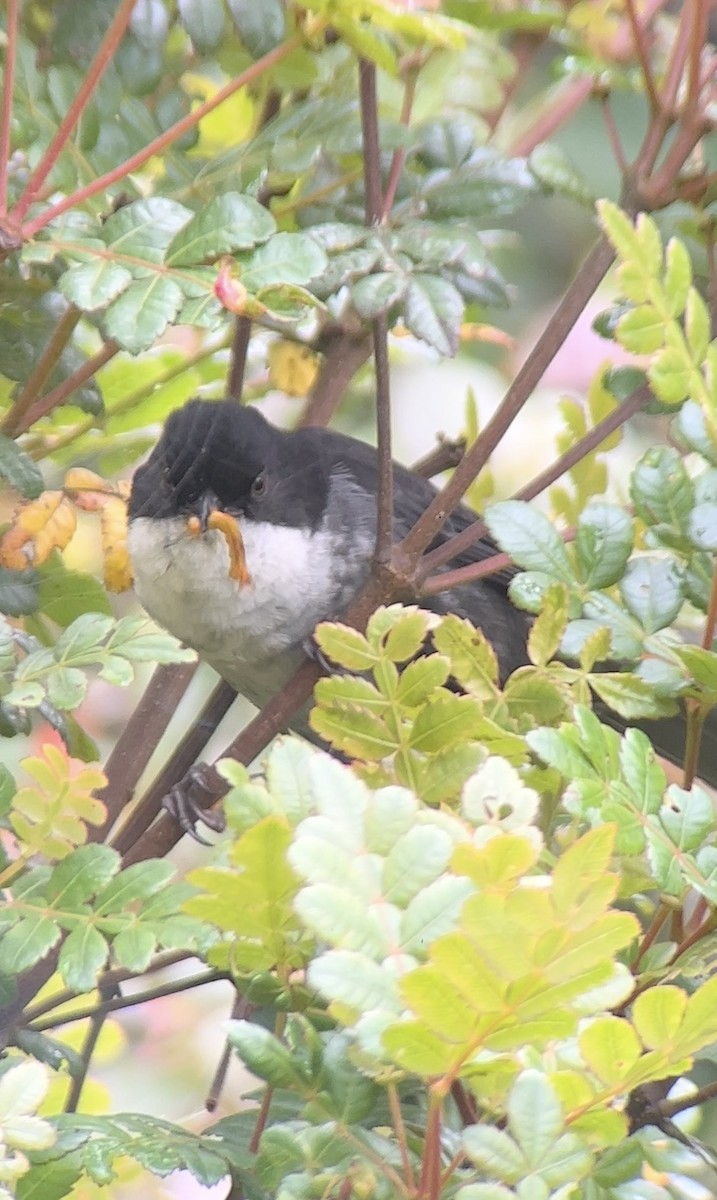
225 455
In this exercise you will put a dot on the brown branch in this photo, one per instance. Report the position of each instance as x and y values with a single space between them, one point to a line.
570 97
251 741
118 1002
237 358
59 395
670 1108
613 134
562 321
139 739
182 758
105 53
344 353
586 445
7 99
42 370
444 457
242 1010
108 979
374 207
697 45
165 139
640 45
399 154
88 1048
371 147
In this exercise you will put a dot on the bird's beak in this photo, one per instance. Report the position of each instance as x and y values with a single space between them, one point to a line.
208 504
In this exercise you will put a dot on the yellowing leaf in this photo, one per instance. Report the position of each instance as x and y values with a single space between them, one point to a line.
51 818
44 525
292 367
117 569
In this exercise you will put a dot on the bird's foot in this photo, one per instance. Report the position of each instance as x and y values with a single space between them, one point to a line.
190 801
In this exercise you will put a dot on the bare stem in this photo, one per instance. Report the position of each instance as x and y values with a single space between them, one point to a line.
7 98
108 979
59 395
98 66
165 139
670 1108
399 154
371 148
140 737
88 1049
42 370
642 50
238 355
118 1002
586 445
344 353
272 719
571 96
562 321
182 757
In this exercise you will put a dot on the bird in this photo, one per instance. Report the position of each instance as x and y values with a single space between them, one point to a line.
305 503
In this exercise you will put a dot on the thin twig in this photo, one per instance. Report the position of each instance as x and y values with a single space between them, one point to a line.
88 1049
399 154
697 45
563 105
670 1108
261 1120
444 457
562 321
272 719
182 757
658 920
119 1002
165 139
642 51
371 148
7 99
105 53
125 403
42 370
375 207
59 395
108 979
399 1129
613 134
137 743
242 1010
575 454
477 570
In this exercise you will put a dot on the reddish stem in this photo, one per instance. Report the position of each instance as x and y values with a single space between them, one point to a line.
7 97
160 143
46 404
96 70
430 1185
563 106
562 321
641 48
41 371
399 155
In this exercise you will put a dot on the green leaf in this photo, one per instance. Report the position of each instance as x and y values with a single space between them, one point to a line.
341 920
652 591
284 258
355 732
630 696
377 293
610 1048
444 721
261 27
494 1151
661 489
142 312
657 1014
65 595
472 658
145 228
18 592
553 169
420 679
82 957
530 539
433 311
547 631
66 688
228 223
678 275
93 284
352 979
603 542
263 1054
19 470
27 942
487 186
641 330
203 21
345 646
535 1116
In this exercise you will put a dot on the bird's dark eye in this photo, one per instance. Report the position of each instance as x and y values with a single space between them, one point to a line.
258 488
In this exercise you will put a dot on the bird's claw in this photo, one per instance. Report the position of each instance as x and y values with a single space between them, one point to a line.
188 802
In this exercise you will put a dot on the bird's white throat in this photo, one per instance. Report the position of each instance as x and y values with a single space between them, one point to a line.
183 582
